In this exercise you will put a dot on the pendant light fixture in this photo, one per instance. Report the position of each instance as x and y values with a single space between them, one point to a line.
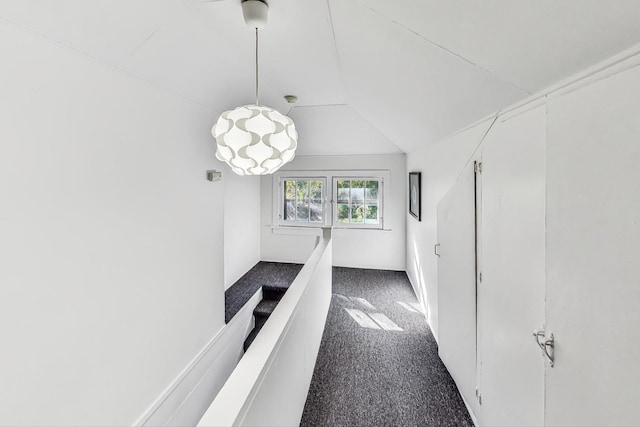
255 139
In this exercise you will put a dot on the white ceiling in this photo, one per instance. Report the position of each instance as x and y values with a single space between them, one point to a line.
372 76
318 136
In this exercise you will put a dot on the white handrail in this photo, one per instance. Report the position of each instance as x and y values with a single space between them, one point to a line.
270 384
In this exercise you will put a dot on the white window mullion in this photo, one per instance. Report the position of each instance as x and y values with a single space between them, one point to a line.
309 199
350 203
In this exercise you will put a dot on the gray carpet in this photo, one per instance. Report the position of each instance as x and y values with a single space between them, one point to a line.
370 373
263 273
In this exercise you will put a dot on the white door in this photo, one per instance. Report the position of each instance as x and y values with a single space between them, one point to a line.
456 283
512 290
593 253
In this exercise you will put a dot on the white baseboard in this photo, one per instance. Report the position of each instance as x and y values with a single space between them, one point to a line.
187 398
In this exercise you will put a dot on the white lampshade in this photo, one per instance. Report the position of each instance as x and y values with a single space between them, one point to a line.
254 139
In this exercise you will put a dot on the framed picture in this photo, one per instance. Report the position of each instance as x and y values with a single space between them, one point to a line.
414 194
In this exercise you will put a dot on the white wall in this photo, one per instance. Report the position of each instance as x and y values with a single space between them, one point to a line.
111 250
593 253
185 401
381 249
588 128
440 166
241 224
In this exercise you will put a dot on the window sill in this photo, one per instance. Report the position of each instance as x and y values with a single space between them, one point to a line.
297 231
360 228
317 231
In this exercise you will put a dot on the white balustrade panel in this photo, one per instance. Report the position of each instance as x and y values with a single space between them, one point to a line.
270 384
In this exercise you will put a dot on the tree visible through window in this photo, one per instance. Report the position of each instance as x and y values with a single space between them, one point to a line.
358 201
303 200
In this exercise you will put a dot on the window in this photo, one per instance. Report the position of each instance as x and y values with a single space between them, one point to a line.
357 202
302 201
330 198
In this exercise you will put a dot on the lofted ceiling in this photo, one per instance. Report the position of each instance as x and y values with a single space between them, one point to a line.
372 76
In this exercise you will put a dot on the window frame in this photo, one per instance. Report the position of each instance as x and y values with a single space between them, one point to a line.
279 200
329 204
356 225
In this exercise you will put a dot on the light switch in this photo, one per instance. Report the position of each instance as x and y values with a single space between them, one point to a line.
214 175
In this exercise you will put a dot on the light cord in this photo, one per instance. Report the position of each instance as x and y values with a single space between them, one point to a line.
257 67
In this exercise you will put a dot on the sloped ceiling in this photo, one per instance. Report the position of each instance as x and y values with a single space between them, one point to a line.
372 76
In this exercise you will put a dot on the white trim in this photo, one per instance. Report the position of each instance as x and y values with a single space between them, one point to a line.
187 397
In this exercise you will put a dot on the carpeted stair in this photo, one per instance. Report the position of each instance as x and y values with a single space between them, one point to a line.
271 296
263 273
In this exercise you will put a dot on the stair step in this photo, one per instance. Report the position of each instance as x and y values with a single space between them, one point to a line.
265 308
252 336
271 296
272 292
260 321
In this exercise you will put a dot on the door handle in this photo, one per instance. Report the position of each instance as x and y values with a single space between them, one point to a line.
547 345
435 249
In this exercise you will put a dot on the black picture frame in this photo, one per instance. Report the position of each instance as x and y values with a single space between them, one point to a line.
415 202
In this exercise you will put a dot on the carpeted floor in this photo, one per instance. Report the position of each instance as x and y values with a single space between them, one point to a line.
263 273
378 363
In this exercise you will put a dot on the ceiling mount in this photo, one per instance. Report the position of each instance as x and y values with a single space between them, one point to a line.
291 99
255 13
